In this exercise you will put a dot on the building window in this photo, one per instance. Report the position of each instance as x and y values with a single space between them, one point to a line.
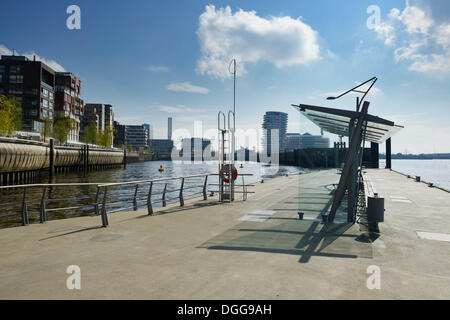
15 90
1 77
44 92
2 90
50 105
2 69
45 103
15 78
15 69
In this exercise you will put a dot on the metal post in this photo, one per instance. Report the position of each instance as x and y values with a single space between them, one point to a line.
51 168
181 193
42 213
205 196
388 154
104 214
96 201
354 145
135 206
149 200
164 203
24 208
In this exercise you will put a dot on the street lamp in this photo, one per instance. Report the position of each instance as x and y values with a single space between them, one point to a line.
358 101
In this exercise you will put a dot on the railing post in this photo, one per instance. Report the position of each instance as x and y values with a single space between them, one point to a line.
135 206
24 208
149 200
42 214
205 196
96 201
104 214
164 203
181 193
244 190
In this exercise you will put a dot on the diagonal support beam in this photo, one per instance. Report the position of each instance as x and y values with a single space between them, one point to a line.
353 149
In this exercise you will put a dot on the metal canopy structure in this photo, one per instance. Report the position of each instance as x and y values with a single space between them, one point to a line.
359 126
337 121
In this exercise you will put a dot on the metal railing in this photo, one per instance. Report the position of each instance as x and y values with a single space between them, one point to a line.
171 190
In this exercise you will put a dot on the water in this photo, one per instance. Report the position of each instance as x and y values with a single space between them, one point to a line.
84 196
435 171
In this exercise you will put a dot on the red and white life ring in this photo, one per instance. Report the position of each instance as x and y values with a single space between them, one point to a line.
224 173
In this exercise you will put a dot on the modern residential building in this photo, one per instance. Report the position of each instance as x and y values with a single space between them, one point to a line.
161 145
169 128
120 137
109 116
136 136
68 103
274 125
89 110
33 84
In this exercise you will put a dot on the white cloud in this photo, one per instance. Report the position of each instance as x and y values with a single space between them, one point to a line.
223 35
417 39
32 55
157 68
179 109
186 87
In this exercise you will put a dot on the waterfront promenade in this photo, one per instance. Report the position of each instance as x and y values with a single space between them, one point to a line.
256 249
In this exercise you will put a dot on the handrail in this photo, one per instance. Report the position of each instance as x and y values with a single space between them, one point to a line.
101 195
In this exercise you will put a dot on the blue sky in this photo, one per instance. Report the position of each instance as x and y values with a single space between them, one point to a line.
155 59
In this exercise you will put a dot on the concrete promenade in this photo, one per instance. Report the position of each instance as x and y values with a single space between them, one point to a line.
256 249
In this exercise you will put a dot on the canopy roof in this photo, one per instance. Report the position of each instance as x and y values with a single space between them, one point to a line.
337 121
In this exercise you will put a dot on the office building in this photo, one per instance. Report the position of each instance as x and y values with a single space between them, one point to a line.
295 141
274 125
91 109
136 136
194 144
149 128
120 139
309 141
32 83
161 145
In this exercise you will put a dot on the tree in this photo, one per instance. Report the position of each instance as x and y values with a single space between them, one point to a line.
62 128
90 133
10 115
130 148
105 138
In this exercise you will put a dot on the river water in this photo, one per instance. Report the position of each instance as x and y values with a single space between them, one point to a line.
85 195
435 171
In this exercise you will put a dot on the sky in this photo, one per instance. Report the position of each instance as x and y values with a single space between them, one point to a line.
157 59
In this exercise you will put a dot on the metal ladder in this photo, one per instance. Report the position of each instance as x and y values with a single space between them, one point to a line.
226 156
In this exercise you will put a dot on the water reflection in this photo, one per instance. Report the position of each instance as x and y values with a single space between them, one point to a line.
84 196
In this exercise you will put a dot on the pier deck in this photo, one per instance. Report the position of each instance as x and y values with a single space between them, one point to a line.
256 249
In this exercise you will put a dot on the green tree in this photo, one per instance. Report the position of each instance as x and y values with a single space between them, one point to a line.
10 115
130 148
105 138
90 133
62 128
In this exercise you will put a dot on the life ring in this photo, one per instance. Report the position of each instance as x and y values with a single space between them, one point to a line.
224 173
161 169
